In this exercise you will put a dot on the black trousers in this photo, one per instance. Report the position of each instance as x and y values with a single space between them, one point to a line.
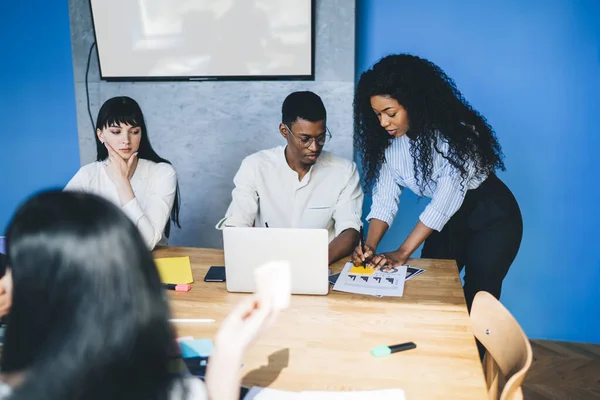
483 236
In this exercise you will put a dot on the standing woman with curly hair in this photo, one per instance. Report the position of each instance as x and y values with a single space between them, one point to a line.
414 129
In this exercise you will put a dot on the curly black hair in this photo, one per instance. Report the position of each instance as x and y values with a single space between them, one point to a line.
436 110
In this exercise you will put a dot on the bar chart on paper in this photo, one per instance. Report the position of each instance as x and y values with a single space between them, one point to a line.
368 281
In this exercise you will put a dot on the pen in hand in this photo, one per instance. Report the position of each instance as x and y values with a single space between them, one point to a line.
362 244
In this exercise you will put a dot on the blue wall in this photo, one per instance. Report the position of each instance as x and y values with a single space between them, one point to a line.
533 69
38 130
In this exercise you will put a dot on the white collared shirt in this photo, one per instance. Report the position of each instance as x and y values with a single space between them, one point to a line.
154 186
267 191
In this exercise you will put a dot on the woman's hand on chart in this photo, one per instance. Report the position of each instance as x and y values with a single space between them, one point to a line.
385 261
360 257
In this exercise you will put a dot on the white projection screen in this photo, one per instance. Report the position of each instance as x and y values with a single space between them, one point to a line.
204 39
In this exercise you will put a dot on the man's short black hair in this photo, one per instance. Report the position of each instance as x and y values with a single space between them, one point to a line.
306 105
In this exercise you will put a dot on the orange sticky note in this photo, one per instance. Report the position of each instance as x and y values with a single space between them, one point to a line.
174 269
360 270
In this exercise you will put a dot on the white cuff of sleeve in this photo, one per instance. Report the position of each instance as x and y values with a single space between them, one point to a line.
433 219
230 222
385 216
348 224
221 224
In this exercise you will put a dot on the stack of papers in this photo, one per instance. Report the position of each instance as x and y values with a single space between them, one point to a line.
257 393
411 272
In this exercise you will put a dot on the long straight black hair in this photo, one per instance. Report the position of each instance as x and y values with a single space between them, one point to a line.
125 110
89 319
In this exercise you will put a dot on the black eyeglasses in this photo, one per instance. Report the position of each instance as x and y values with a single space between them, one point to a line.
308 141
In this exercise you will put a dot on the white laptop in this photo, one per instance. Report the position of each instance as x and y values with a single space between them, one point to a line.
305 249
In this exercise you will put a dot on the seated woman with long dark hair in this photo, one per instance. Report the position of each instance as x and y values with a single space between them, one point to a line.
89 317
129 173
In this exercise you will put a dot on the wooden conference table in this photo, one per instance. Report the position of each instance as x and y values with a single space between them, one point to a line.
324 342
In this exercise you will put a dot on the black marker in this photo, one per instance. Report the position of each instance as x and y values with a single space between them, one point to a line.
362 243
381 351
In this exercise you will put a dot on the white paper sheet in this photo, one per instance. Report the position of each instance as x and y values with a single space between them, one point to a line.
257 393
386 394
378 283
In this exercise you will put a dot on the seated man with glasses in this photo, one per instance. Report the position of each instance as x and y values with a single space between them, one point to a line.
300 185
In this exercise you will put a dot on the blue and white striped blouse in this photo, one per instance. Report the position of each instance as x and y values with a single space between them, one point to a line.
444 189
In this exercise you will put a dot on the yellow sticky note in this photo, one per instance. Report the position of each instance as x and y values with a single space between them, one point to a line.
174 269
361 270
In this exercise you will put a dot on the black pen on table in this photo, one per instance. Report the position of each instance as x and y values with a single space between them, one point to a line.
267 225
